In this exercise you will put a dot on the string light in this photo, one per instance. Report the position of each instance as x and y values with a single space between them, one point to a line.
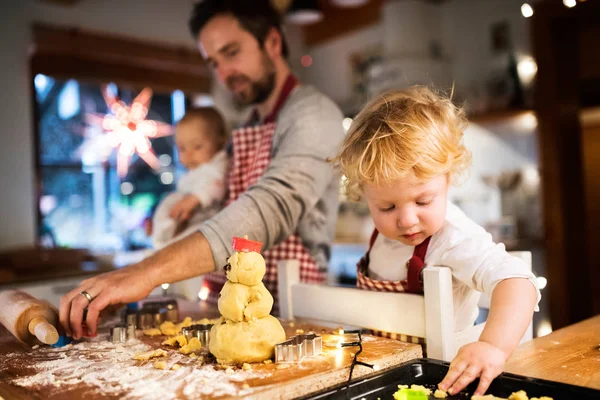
306 60
166 178
544 329
542 282
126 188
526 10
203 293
570 3
346 122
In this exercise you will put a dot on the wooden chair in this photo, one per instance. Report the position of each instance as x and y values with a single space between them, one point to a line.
430 316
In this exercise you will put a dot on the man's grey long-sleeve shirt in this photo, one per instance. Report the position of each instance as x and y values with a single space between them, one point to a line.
298 191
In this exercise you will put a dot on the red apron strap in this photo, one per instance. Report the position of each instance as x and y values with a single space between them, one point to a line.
289 85
373 238
415 266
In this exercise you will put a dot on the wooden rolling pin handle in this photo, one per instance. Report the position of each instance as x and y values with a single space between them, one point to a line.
43 330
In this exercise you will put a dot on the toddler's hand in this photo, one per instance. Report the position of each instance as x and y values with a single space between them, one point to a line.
475 360
183 210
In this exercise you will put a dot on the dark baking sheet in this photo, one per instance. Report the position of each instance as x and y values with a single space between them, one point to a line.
429 373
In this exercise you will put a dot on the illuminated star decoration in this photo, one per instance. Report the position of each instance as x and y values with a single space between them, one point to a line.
128 130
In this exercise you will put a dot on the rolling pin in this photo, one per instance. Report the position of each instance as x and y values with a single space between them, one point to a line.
27 318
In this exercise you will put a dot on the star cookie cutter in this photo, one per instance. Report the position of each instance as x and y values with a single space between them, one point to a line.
298 347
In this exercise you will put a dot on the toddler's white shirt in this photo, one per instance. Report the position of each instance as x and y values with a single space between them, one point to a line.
477 263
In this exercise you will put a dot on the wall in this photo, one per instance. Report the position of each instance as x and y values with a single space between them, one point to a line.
16 153
330 70
479 199
464 36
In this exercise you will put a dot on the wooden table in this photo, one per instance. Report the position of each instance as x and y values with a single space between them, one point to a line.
263 381
569 355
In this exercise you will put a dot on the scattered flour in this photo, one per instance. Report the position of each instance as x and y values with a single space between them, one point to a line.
111 368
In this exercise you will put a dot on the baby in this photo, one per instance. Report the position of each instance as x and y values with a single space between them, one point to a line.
401 153
200 137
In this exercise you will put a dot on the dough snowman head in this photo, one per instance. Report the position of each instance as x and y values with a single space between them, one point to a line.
247 268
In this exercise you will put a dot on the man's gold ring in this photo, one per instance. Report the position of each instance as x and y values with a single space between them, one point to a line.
87 296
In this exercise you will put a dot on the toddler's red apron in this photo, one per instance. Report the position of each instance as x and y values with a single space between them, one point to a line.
251 156
413 283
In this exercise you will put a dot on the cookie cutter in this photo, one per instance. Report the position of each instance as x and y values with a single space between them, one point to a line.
199 331
118 334
131 319
296 348
163 310
145 320
131 331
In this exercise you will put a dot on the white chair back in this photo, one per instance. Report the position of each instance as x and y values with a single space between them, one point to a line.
430 316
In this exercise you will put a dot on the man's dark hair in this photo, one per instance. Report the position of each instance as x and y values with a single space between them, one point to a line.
255 16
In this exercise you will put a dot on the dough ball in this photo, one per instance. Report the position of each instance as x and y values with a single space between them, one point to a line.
246 268
239 302
261 302
251 341
233 300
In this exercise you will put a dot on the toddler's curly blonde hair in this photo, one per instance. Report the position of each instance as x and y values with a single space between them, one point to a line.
413 131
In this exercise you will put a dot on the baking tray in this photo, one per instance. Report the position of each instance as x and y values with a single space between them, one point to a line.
429 372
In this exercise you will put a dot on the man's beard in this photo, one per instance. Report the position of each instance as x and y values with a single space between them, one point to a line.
259 90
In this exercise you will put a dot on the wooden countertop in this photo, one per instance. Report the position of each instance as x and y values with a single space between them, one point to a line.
569 355
97 369
29 265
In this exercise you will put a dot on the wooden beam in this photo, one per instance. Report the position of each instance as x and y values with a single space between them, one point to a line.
556 44
81 54
67 3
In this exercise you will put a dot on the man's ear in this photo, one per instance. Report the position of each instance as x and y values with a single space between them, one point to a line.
273 43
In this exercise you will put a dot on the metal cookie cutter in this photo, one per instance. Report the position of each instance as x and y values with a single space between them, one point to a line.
199 331
297 347
118 334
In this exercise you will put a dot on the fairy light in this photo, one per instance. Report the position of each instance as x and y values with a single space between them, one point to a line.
203 293
165 286
544 328
542 282
526 10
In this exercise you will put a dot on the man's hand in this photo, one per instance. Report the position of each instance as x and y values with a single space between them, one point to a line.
186 258
183 210
474 360
112 288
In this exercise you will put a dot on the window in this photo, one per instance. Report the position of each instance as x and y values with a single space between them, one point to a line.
83 202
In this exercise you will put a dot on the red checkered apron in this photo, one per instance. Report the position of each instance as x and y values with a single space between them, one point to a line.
412 284
251 156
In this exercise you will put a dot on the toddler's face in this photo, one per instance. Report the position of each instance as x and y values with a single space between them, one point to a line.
194 145
408 210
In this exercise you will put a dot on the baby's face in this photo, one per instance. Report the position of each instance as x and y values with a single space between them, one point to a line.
194 145
408 210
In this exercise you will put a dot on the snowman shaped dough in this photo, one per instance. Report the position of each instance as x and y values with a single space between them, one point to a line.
246 332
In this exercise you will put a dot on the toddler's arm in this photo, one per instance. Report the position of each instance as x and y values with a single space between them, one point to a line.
512 305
